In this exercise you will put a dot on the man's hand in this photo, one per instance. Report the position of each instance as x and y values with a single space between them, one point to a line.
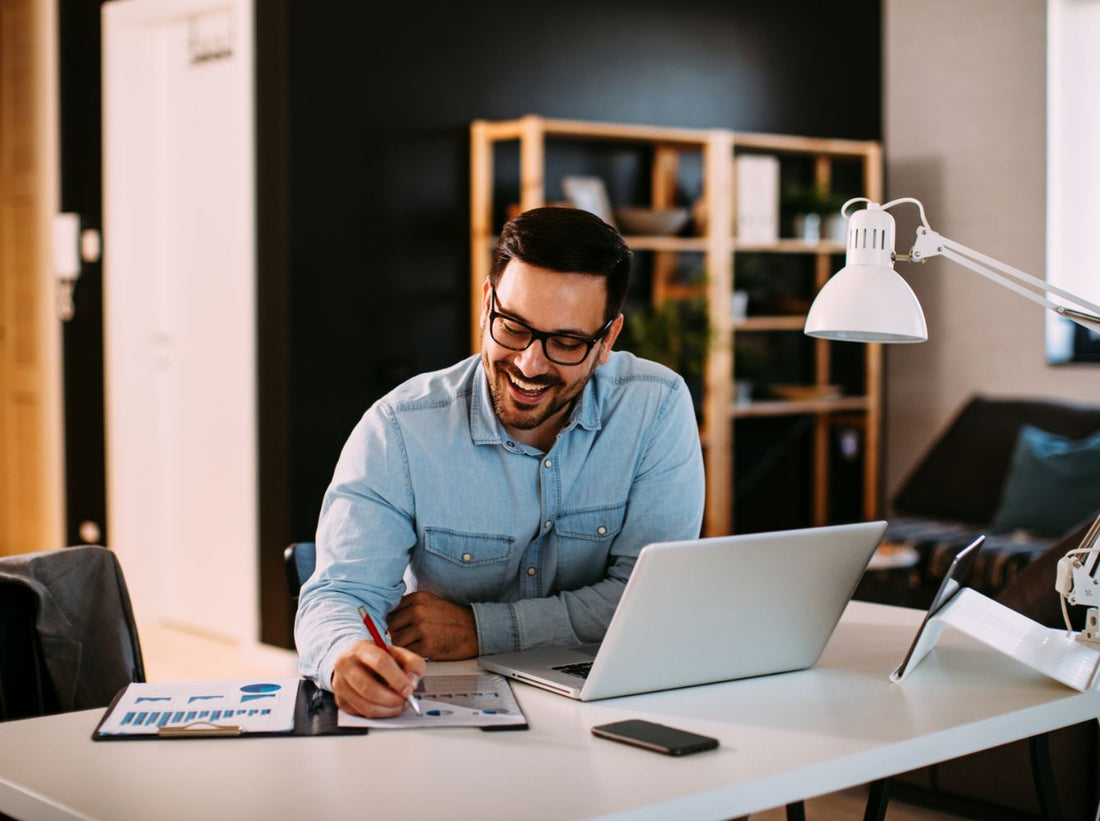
434 627
367 682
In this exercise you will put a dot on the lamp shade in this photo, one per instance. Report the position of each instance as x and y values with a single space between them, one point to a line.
866 300
867 303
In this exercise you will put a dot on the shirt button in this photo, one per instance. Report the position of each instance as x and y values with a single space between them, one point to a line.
466 557
547 524
531 571
601 530
548 463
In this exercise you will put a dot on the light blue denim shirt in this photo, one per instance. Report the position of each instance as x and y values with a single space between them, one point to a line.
431 493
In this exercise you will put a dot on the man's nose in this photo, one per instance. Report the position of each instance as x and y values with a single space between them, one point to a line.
532 360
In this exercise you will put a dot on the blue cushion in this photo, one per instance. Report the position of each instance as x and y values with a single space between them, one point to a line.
1053 483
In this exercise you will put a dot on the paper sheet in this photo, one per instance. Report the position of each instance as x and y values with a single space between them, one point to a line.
473 700
253 705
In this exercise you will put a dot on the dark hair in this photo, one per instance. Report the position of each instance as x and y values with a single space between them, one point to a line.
568 240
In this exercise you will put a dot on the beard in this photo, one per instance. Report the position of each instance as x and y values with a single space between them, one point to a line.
553 396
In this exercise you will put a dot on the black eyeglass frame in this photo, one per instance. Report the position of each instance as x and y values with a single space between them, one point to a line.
543 336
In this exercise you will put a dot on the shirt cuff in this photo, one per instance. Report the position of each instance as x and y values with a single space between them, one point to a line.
327 664
497 628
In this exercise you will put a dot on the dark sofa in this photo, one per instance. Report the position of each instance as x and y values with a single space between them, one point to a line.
952 496
953 493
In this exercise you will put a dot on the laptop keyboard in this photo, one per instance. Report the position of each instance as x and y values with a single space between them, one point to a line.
579 670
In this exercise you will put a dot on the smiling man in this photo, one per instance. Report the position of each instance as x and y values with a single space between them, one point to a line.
501 503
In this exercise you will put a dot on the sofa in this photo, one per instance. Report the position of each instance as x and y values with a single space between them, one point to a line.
979 477
956 490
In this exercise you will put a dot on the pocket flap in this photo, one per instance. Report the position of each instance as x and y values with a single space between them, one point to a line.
467 549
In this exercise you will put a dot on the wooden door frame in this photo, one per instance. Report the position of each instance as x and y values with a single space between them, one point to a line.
32 497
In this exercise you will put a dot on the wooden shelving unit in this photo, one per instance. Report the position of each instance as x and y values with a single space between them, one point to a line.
719 248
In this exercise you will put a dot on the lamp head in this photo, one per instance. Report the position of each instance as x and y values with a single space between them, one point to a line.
867 300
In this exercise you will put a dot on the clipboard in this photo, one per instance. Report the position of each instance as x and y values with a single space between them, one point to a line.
314 713
139 710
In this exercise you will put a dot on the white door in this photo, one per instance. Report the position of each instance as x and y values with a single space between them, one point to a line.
179 310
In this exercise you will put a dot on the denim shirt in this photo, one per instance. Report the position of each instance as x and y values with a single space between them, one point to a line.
431 493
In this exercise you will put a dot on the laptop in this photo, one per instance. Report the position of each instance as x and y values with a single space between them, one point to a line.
707 610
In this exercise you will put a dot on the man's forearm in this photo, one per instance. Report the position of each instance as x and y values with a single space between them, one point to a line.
571 617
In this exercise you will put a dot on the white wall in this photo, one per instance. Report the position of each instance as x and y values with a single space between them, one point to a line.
1073 161
964 131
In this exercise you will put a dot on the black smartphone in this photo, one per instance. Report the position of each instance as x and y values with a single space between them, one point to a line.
656 737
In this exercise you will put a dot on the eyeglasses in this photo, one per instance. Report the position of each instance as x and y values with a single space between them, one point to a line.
561 349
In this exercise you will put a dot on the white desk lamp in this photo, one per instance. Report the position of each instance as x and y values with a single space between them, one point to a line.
867 301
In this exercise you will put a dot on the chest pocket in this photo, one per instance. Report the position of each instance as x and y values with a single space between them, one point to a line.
593 524
463 566
584 541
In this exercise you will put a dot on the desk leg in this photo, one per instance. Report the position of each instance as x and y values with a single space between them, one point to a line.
1046 790
877 799
796 811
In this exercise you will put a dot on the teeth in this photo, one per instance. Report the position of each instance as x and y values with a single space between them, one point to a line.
524 385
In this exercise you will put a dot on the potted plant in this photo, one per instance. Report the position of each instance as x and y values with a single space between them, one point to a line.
675 333
814 211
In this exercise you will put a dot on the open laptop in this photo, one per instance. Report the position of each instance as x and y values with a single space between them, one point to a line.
708 610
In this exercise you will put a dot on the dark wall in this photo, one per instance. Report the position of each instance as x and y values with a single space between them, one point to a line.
363 112
82 336
380 100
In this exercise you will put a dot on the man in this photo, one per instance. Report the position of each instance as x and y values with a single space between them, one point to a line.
510 493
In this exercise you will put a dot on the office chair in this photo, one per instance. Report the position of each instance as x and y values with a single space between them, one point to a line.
69 638
25 688
300 558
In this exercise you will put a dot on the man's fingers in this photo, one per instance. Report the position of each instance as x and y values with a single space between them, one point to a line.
383 666
367 681
410 662
407 636
405 614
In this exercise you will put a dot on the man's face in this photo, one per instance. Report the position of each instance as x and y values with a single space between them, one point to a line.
532 395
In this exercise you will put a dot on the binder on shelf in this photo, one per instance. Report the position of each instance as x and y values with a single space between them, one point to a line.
757 198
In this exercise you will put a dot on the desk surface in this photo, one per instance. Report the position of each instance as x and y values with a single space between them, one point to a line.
783 738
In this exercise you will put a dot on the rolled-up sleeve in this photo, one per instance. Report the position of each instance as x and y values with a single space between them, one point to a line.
364 539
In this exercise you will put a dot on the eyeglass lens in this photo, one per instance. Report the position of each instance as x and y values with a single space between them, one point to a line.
514 335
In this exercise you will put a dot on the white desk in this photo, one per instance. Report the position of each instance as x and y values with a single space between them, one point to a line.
783 738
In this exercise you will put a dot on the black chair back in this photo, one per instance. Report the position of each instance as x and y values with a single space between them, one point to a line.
25 688
300 558
69 641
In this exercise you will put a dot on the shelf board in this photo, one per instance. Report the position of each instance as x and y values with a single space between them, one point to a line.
791 246
781 407
700 244
795 322
694 137
680 244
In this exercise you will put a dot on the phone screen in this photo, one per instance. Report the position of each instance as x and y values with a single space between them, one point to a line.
657 737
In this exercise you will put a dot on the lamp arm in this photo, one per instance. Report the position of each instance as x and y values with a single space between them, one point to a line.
930 244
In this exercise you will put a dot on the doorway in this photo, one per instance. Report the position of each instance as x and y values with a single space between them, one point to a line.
179 310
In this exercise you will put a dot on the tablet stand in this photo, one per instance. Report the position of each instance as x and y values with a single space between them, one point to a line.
1055 653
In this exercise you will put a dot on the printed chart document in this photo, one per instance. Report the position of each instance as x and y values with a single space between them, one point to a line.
468 700
194 707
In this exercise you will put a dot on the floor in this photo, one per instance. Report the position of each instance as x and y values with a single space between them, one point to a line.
176 654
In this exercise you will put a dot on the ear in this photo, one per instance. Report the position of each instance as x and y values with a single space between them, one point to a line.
608 342
486 297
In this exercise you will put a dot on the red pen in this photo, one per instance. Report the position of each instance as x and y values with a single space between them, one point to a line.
377 637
